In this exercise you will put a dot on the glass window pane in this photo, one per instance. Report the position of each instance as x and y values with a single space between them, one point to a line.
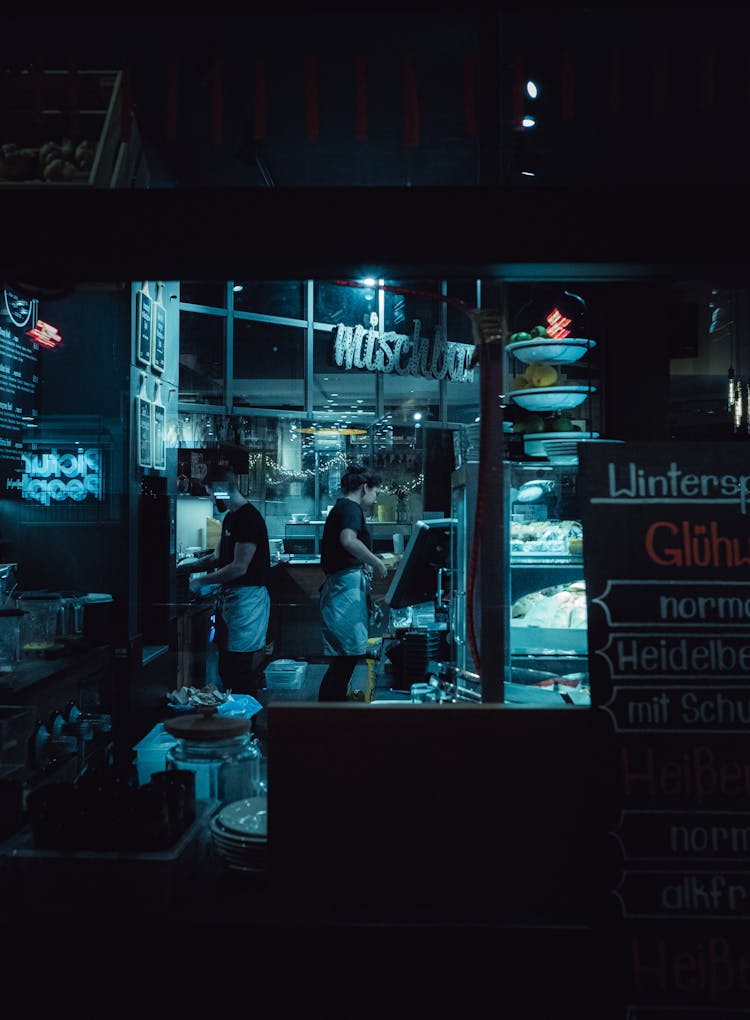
271 297
334 303
407 395
400 310
338 389
201 358
269 365
211 293
463 400
458 322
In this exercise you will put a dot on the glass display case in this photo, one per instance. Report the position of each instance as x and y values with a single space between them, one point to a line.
546 653
548 644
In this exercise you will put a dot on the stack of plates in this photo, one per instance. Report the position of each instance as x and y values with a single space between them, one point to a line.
240 835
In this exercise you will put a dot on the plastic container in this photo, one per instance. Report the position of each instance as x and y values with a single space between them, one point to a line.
39 623
221 751
10 638
286 674
151 752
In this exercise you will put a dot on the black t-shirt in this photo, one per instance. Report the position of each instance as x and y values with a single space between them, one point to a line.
246 525
345 514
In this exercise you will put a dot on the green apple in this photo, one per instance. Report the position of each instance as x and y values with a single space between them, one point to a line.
534 423
538 332
522 337
563 425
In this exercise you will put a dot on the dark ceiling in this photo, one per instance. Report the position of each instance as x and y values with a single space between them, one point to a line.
647 95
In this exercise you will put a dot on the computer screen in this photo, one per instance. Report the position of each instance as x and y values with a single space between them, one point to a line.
429 549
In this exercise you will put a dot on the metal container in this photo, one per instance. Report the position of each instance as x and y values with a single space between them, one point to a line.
8 582
70 614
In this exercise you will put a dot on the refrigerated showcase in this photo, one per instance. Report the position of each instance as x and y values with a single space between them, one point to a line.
546 649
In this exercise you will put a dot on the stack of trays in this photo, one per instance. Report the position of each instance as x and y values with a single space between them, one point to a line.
287 674
239 834
421 648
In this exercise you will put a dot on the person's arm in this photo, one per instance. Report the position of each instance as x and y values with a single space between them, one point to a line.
203 563
357 548
243 554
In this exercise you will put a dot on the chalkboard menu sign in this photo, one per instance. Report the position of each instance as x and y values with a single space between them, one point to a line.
19 367
667 569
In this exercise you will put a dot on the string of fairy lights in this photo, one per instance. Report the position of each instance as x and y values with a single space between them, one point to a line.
276 474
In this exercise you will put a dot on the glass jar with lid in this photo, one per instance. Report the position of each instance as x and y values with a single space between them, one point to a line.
222 753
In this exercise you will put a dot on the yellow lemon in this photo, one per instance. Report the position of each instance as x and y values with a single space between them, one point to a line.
540 374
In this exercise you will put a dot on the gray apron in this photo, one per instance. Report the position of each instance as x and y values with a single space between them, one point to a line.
344 613
242 615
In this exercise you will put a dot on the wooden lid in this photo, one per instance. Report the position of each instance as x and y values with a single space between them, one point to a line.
202 727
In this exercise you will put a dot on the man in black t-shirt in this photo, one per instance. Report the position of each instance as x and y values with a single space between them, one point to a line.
346 548
243 604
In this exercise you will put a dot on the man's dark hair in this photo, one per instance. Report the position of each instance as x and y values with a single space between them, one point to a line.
356 475
220 475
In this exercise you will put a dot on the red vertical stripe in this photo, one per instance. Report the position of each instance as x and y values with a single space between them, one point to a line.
173 88
126 104
470 96
217 101
74 102
518 82
312 112
615 82
568 85
411 104
38 77
708 83
260 109
660 83
360 99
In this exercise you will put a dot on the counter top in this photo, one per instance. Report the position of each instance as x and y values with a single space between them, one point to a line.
33 671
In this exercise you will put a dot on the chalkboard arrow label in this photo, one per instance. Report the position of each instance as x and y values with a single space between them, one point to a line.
638 655
688 604
635 708
693 894
686 836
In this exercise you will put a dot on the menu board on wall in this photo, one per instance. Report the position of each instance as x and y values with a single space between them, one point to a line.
144 325
667 569
19 361
158 354
143 425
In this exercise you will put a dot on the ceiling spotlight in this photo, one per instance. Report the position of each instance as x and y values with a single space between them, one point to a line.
417 416
532 89
528 173
528 121
237 288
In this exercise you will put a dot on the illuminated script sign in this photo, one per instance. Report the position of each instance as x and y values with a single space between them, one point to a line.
376 351
61 476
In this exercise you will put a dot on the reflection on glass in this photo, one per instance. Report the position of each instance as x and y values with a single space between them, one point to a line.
333 303
201 358
400 310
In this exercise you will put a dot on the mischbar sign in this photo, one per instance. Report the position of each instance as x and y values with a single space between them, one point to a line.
378 351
